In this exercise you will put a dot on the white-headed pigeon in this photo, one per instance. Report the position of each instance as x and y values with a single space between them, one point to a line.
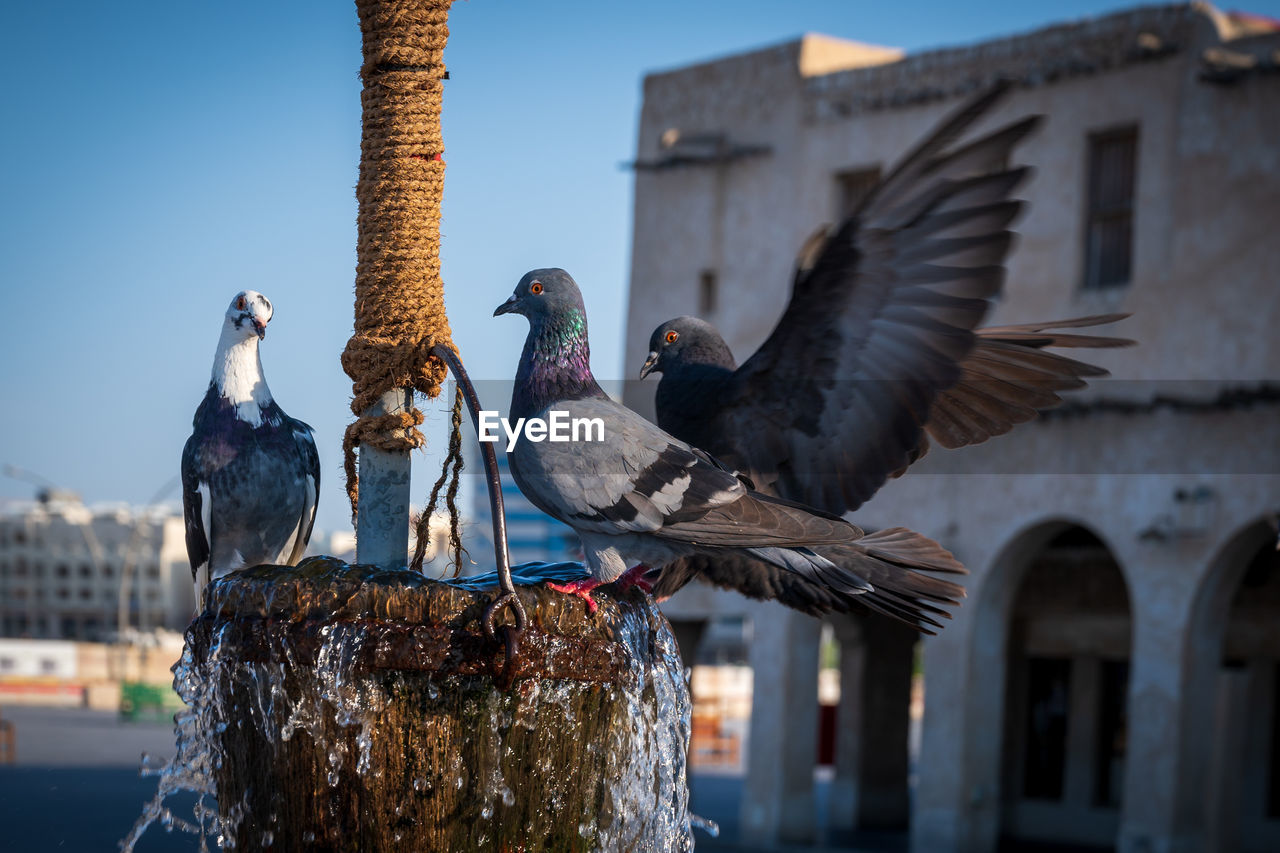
876 352
250 473
636 496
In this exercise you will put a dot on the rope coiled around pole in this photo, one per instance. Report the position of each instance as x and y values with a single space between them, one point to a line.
399 300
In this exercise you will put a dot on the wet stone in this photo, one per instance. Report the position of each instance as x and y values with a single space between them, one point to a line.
335 707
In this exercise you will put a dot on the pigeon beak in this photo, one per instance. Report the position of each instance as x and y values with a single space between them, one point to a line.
260 327
507 307
649 364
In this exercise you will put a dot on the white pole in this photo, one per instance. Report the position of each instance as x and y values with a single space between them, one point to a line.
382 508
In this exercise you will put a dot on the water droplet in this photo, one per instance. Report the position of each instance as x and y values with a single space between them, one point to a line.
710 827
487 811
508 797
333 779
419 785
267 837
308 836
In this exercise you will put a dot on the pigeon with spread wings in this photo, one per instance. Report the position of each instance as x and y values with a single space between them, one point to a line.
878 351
637 497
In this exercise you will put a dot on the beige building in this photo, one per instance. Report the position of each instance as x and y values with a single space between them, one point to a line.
1113 679
62 567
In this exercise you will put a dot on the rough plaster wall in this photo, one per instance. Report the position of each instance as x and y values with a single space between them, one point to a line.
1204 305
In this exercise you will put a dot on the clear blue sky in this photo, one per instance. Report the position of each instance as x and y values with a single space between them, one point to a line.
158 157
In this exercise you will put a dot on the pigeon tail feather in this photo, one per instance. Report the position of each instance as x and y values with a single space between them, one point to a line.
815 567
884 571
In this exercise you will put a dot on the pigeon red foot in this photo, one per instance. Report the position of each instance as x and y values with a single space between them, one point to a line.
581 588
635 576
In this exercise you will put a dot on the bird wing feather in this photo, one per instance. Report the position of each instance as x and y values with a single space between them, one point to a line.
879 322
1009 376
643 480
195 508
635 481
304 436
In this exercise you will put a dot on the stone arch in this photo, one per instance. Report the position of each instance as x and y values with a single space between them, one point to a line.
1228 688
988 699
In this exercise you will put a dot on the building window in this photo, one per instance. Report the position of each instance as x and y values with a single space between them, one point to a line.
85 571
1108 256
108 571
853 187
708 295
63 571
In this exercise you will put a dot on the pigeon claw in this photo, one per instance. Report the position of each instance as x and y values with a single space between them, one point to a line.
635 576
582 589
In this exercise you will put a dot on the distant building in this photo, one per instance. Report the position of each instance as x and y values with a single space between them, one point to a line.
532 535
62 567
1113 679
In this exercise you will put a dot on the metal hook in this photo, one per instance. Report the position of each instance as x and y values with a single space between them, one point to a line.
509 598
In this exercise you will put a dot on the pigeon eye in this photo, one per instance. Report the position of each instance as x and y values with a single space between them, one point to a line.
672 337
536 288
240 303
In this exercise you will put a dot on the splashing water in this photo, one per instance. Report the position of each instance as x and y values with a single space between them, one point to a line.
504 780
192 768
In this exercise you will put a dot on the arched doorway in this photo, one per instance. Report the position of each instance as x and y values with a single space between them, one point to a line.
1066 687
1232 735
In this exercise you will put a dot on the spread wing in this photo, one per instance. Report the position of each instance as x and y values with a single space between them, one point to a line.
879 323
305 439
1009 376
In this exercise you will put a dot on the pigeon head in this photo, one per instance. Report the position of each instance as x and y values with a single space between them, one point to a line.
248 315
685 341
544 294
556 362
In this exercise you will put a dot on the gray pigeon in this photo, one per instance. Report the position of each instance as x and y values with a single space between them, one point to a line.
250 473
638 497
876 353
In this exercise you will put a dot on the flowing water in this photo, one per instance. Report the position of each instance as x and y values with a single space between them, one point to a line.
342 718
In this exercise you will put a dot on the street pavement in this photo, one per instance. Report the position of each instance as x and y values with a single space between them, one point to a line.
76 787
